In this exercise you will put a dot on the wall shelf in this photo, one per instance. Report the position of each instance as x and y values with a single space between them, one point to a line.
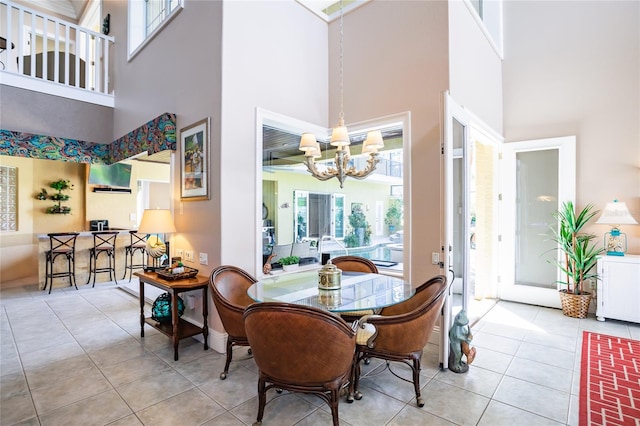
113 190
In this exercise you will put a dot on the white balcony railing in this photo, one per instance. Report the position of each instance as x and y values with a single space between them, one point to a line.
46 54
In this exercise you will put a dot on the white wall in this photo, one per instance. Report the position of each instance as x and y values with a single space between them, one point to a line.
274 57
573 68
475 68
396 60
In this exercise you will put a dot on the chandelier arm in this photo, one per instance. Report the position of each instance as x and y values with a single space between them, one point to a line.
372 162
326 175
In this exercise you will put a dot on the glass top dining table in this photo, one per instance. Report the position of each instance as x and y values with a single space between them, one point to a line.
359 291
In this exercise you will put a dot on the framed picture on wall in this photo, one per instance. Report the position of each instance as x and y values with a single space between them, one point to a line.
194 161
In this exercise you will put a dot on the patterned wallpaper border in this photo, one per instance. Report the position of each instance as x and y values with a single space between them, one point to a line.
156 135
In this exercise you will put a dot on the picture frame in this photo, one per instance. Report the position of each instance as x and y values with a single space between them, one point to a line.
194 161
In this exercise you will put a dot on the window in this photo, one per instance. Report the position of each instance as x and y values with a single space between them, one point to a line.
8 198
146 19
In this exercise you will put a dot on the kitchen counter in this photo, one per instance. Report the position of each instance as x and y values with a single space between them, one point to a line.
83 243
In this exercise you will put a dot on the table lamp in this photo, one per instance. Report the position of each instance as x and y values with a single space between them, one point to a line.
616 214
157 221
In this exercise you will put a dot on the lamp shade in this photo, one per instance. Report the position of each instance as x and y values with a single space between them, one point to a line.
158 221
373 142
616 213
308 143
340 135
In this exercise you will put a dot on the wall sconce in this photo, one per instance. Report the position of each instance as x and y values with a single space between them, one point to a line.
106 24
616 214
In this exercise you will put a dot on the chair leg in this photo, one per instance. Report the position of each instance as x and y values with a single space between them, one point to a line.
71 282
335 394
262 399
73 270
416 381
223 375
354 393
90 268
126 252
113 266
48 263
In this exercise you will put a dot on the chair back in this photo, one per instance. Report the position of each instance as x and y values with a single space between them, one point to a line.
104 240
62 242
138 240
409 331
299 344
355 264
229 286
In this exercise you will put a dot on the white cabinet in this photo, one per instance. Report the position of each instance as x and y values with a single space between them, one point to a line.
619 288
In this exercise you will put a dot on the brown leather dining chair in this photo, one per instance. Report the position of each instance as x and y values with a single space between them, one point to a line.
400 332
355 264
300 349
229 286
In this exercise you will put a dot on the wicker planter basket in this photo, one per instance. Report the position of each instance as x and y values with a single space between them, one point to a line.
575 305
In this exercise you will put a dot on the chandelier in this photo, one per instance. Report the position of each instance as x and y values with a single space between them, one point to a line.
340 139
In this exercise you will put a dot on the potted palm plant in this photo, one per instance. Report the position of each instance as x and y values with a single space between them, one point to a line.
579 257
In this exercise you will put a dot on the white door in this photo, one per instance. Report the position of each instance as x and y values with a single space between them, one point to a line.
456 206
537 177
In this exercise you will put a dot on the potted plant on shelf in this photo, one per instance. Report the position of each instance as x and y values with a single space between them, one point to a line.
579 257
289 263
60 185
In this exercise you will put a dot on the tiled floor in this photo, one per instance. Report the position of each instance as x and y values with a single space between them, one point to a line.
76 358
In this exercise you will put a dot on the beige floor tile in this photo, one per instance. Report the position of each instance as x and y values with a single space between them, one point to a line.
133 369
499 414
192 407
102 408
444 400
63 392
152 389
537 399
18 408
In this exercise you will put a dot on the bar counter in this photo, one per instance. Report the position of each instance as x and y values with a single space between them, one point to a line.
83 243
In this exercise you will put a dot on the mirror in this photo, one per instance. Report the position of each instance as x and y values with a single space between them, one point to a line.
301 215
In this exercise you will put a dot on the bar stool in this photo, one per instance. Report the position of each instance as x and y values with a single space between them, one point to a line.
138 243
103 242
61 244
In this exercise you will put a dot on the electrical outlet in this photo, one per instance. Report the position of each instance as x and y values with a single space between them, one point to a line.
188 255
435 258
204 259
179 253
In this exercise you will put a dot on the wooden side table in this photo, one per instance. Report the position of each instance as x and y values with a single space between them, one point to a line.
179 328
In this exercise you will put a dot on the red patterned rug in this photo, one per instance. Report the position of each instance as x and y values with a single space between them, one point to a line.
609 380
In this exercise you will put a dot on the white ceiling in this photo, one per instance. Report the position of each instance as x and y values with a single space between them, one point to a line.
69 9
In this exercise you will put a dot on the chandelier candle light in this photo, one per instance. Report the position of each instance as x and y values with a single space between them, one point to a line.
616 214
340 139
